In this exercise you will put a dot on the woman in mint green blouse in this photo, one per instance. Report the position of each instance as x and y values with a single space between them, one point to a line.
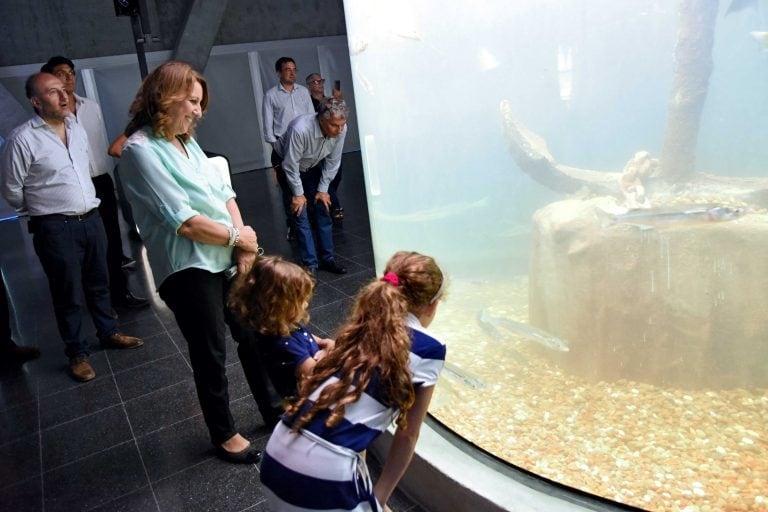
193 231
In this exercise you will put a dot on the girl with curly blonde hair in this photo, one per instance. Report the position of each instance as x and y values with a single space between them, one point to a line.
272 299
384 367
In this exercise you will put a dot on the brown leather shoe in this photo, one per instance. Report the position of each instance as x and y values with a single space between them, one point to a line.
120 340
81 369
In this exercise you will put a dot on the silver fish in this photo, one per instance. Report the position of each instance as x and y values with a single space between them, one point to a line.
438 213
463 376
653 217
527 331
493 331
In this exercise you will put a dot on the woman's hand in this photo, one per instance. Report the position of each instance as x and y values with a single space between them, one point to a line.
247 241
244 260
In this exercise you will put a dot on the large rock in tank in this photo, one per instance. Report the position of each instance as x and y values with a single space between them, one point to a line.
683 304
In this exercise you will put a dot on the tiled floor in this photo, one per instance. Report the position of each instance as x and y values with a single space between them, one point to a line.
133 439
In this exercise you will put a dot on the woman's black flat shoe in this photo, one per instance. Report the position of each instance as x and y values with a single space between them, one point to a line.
248 456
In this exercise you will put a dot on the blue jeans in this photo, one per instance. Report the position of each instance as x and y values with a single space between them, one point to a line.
73 254
310 257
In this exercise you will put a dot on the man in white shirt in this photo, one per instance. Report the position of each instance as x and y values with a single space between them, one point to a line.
282 104
88 114
44 171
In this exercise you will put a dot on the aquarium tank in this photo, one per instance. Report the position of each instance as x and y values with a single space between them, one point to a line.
591 175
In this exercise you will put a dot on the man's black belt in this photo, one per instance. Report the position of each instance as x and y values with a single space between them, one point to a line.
59 216
35 220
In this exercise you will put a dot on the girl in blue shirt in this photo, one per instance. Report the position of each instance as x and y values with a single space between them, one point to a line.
272 299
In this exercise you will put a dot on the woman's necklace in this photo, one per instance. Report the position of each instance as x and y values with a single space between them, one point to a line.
179 144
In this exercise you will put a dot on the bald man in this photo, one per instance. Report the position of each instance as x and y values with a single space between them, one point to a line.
44 170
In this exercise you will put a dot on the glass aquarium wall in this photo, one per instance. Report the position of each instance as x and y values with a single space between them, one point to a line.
593 176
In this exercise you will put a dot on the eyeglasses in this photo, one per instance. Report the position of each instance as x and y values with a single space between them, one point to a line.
64 74
317 82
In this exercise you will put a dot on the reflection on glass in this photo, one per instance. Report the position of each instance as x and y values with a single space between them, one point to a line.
592 175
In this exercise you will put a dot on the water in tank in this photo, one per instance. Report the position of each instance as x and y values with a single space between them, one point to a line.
592 175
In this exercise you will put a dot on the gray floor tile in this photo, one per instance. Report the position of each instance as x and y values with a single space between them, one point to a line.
17 388
20 460
330 316
24 496
18 422
325 294
174 448
152 376
95 480
142 500
84 436
85 398
351 283
163 407
211 485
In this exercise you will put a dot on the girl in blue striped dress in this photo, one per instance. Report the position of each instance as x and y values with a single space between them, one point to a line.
383 368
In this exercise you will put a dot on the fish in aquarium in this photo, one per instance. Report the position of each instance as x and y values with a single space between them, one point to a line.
648 218
438 213
528 332
491 329
463 376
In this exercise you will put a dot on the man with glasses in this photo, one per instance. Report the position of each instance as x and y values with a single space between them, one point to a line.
88 115
282 104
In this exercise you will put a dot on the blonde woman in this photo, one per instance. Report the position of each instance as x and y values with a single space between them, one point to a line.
193 231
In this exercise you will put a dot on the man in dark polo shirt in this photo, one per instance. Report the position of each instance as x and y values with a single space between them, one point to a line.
44 169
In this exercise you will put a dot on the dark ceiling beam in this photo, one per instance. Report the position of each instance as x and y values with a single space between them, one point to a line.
198 33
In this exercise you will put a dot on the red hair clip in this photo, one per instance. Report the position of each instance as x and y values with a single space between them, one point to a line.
391 278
